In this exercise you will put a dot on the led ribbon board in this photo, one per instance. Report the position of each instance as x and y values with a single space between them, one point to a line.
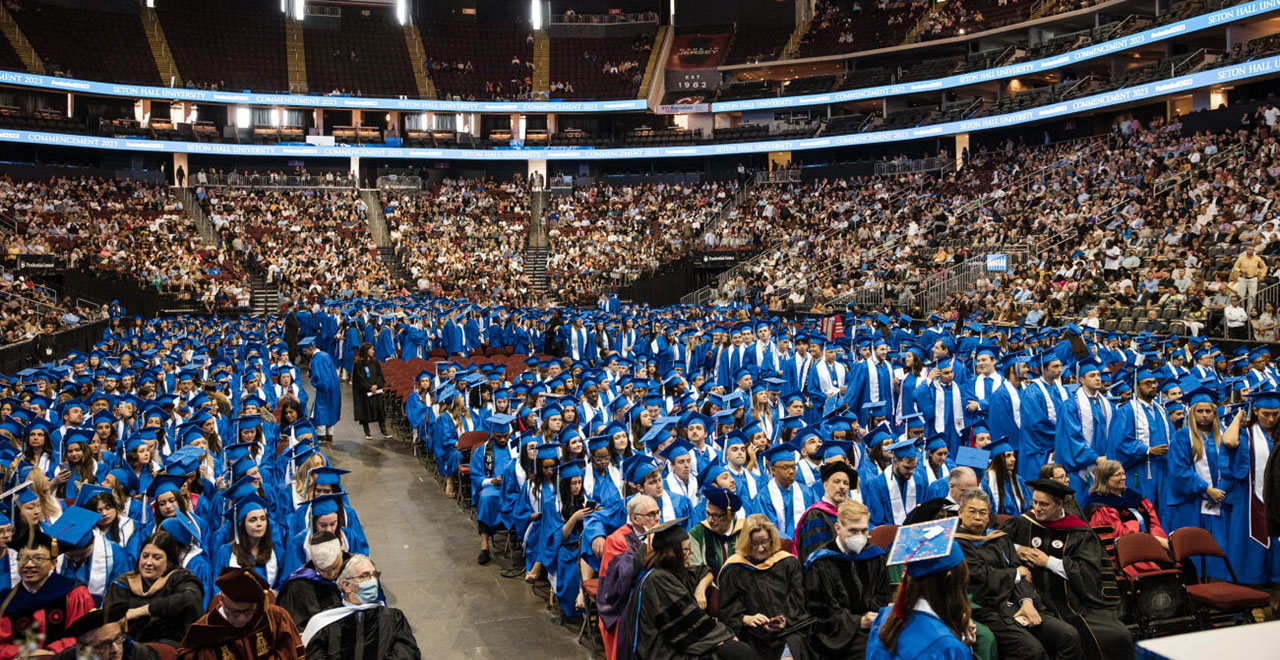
1152 90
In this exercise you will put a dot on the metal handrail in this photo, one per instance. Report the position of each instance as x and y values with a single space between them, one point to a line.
271 181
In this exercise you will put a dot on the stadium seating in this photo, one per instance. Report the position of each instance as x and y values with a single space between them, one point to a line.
89 43
235 50
367 56
580 64
499 57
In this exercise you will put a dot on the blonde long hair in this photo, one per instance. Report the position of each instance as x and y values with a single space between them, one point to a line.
1197 440
754 523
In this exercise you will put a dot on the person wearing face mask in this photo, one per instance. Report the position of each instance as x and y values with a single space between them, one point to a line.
314 587
363 628
845 583
243 621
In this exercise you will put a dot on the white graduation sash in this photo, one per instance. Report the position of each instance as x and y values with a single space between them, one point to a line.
957 408
14 577
1207 507
1050 402
899 507
779 508
1015 399
668 510
1087 423
873 379
688 490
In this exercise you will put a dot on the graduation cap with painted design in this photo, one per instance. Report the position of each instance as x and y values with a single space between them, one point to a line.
927 547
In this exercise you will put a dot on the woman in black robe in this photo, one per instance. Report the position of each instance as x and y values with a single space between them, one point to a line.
762 593
367 382
662 621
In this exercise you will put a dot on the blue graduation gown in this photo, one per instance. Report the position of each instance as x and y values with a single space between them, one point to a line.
222 559
349 346
1001 410
1075 452
875 493
327 406
926 401
786 522
488 498
563 551
1038 429
925 637
538 546
860 387
1253 562
1146 472
1008 501
1185 491
385 348
117 562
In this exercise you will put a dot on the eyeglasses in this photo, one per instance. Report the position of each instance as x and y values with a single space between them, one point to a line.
37 560
372 575
650 515
104 648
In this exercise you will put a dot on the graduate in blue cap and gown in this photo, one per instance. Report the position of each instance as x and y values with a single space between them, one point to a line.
914 627
1081 437
1008 492
1254 555
539 552
351 341
782 500
82 468
326 407
1199 473
941 401
562 515
937 463
193 557
518 498
256 542
871 380
1139 435
324 513
384 348
681 478
1043 399
85 554
644 475
453 420
488 465
893 493
8 556
746 475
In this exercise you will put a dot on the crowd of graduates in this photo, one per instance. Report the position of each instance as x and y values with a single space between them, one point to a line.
605 423
154 481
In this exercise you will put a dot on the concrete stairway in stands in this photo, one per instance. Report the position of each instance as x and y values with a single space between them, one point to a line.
541 62
169 74
417 58
377 221
265 298
396 267
19 42
535 266
295 51
654 65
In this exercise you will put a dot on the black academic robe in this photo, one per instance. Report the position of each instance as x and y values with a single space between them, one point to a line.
773 587
662 622
364 377
380 633
997 593
1088 596
838 589
305 593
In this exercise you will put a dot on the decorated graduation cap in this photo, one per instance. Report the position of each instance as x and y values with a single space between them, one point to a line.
927 548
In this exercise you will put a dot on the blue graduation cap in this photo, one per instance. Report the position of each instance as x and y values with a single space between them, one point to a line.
571 469
165 483
328 476
781 453
182 530
74 528
88 492
978 459
903 448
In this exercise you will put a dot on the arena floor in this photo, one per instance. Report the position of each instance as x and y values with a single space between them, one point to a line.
425 546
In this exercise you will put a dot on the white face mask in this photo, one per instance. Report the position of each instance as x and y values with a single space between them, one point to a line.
854 543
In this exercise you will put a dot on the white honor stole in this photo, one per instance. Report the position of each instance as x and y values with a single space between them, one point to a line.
900 508
957 408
